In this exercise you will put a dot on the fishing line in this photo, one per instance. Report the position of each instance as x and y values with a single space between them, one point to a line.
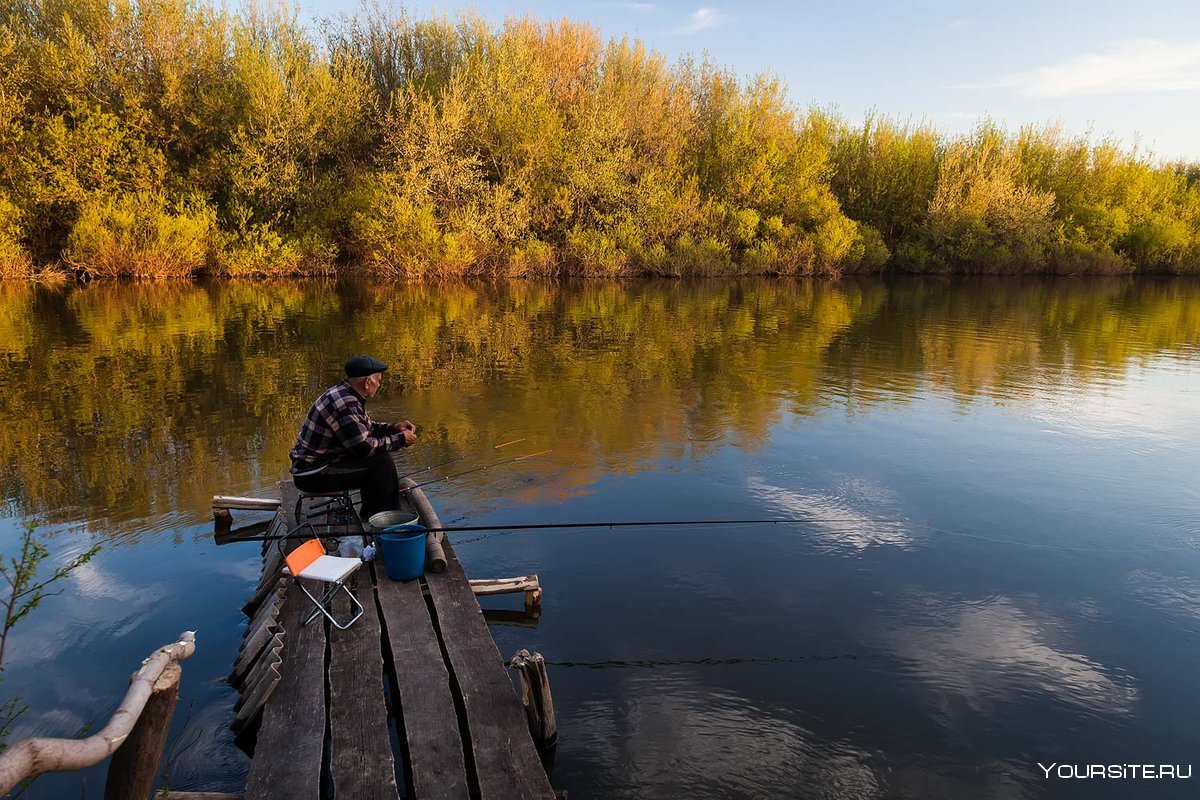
472 471
456 460
505 531
651 663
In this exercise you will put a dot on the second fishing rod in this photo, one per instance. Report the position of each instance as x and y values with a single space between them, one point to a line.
473 470
327 503
455 460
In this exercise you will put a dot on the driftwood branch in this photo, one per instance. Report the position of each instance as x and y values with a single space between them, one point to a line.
29 758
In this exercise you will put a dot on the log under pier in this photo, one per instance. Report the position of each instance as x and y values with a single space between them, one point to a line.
412 700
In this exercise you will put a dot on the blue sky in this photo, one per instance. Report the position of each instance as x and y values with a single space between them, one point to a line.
1127 69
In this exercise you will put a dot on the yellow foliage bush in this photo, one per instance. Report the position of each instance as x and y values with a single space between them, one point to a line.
139 236
167 138
15 263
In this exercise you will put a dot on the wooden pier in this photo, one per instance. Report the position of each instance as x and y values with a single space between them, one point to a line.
412 700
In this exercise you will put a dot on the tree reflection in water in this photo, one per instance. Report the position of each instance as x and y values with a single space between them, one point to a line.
124 402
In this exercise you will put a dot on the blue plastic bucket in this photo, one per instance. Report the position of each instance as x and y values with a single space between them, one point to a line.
403 551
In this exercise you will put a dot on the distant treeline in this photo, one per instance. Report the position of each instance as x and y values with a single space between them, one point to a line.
171 137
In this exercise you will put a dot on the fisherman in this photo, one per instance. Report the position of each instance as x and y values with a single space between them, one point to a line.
340 448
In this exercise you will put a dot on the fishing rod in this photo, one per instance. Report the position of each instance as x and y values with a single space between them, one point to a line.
456 460
327 503
600 524
500 463
501 529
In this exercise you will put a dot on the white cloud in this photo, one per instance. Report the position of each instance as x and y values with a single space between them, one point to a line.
702 19
1136 66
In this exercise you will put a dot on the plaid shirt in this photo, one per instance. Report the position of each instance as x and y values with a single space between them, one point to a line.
337 426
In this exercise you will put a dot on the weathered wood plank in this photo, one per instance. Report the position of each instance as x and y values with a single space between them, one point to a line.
491 586
258 695
270 639
415 499
266 615
430 722
271 659
506 762
287 756
360 747
536 696
254 603
134 766
244 503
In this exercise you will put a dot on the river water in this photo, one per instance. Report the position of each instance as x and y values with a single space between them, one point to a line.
999 563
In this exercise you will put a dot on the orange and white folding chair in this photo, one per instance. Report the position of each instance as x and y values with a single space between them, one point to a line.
310 561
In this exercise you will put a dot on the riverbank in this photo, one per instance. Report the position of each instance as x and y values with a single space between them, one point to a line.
245 144
60 275
551 270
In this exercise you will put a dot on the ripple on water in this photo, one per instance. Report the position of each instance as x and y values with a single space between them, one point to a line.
673 737
986 653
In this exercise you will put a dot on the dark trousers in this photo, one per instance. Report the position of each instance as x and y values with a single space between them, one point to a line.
375 476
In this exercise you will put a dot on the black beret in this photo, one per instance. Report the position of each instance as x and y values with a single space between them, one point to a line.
362 366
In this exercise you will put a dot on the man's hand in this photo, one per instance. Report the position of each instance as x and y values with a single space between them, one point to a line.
400 427
409 438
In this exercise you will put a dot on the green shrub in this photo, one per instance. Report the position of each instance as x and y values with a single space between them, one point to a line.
259 252
983 217
141 236
15 263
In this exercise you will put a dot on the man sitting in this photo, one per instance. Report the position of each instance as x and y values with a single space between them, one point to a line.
340 448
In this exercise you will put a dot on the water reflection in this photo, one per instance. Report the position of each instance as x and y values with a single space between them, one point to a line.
126 403
860 515
997 478
983 652
688 737
1178 594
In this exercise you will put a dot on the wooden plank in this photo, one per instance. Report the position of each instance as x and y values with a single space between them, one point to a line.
360 746
169 794
491 586
507 764
266 616
256 697
271 638
536 696
290 742
245 503
291 738
261 594
430 722
271 658
134 766
415 499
